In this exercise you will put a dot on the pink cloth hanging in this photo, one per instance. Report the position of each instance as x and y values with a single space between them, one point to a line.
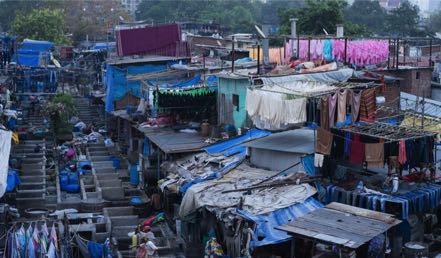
402 152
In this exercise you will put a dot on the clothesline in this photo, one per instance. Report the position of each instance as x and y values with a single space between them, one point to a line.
387 132
340 86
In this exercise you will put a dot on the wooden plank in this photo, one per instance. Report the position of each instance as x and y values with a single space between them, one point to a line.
331 231
305 233
350 219
387 218
338 221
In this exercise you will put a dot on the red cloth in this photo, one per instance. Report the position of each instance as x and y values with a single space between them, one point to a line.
402 152
155 40
357 150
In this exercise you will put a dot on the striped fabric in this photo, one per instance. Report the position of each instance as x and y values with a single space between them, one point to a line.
368 105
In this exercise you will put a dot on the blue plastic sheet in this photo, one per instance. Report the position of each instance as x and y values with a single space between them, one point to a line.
266 223
117 85
31 51
12 181
233 147
308 164
223 146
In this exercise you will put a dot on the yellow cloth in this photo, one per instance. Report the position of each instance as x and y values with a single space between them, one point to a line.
276 55
15 138
430 124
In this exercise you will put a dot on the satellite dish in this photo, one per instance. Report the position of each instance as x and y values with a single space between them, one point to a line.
260 32
121 18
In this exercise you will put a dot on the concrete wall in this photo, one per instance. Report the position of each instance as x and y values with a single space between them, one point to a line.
436 93
415 81
227 113
274 160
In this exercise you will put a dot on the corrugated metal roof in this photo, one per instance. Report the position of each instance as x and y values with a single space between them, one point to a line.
177 142
431 107
295 141
142 59
266 223
341 224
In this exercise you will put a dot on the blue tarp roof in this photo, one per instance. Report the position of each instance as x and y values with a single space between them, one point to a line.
266 223
42 46
103 45
31 51
233 147
226 146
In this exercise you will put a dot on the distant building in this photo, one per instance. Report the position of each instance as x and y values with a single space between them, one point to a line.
130 5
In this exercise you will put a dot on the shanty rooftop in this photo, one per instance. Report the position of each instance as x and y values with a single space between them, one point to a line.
341 224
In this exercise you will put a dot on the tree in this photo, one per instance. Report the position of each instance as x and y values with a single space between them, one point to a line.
403 21
434 22
369 14
317 16
10 8
92 19
41 24
238 15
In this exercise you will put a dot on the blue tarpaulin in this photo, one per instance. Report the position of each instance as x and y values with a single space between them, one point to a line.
308 164
117 85
33 53
233 147
223 147
12 181
265 232
193 81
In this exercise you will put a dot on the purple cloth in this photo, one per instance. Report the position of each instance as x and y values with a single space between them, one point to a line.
157 40
332 102
355 105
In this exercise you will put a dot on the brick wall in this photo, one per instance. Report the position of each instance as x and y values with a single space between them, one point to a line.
413 81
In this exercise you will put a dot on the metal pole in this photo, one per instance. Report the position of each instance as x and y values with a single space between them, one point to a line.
398 53
388 56
309 49
232 54
430 54
404 52
346 51
393 55
422 118
258 58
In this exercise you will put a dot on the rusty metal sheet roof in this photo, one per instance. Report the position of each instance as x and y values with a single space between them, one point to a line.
177 142
342 225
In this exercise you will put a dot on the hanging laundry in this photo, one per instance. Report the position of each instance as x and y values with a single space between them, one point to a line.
356 155
410 150
341 99
324 113
402 153
327 50
20 236
355 105
53 237
332 101
368 105
347 146
318 160
324 141
374 154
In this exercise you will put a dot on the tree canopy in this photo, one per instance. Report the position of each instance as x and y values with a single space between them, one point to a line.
41 24
403 21
237 15
318 16
369 14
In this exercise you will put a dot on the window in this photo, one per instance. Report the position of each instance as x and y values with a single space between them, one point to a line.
236 101
417 75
